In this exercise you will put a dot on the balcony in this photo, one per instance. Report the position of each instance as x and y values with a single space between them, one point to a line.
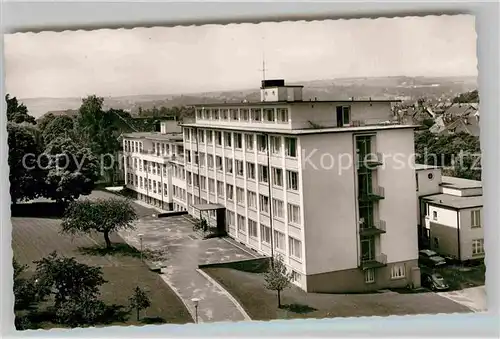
375 194
372 228
376 261
370 160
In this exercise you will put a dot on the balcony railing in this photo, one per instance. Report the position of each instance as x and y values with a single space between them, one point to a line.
370 160
376 261
376 193
372 228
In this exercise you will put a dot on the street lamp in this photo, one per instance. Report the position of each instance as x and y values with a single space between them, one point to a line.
140 239
195 302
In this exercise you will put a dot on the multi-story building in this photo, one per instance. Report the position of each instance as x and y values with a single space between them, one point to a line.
153 163
328 185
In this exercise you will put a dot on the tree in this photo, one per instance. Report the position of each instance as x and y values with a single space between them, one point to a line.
74 286
17 112
277 277
26 176
61 126
139 301
45 120
71 172
103 215
24 288
67 279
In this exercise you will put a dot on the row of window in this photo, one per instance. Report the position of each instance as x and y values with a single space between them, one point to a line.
398 271
245 225
158 148
155 186
292 177
248 142
475 217
278 115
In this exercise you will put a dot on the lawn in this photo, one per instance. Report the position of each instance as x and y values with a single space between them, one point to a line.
460 277
261 304
34 238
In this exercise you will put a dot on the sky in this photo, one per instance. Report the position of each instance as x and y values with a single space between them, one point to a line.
175 60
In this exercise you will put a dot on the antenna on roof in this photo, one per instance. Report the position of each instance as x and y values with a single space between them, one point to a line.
263 70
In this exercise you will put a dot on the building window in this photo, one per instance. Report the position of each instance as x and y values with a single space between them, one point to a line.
203 183
370 276
209 137
252 200
224 114
295 247
241 224
239 167
435 215
227 139
269 114
343 115
244 114
238 141
278 209
187 134
293 214
292 180
218 162
235 114
249 142
282 114
398 271
263 174
279 240
265 234
220 189
196 180
261 143
275 145
264 203
211 185
230 218
229 192
296 277
229 165
250 171
218 138
256 112
475 217
291 147
201 159
252 228
277 177
240 196
201 136
477 247
210 161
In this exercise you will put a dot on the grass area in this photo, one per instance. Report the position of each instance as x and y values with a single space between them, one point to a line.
261 304
460 277
35 238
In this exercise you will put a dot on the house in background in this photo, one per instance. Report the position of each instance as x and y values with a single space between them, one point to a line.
457 118
450 221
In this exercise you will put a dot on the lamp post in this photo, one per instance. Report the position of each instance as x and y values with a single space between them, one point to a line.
195 302
140 239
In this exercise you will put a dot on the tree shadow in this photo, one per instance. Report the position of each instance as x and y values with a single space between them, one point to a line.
48 210
153 320
114 314
120 249
299 308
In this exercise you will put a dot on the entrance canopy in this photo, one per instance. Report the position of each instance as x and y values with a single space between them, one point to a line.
208 207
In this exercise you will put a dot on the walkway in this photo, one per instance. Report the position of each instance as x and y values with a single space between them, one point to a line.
184 251
474 298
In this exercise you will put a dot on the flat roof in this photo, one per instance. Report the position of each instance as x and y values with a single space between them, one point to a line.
422 167
453 201
296 102
257 129
208 207
459 183
154 136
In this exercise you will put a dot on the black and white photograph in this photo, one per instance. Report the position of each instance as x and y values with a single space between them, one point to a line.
245 172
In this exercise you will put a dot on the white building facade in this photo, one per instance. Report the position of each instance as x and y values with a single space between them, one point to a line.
328 185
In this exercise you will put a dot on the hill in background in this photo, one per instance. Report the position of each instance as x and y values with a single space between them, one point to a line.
398 87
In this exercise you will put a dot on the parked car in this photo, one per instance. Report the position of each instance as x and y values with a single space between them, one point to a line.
434 281
430 258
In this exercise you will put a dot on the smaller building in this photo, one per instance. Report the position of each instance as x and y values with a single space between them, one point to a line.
451 220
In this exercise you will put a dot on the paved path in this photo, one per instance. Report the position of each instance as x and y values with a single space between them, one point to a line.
474 298
184 251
